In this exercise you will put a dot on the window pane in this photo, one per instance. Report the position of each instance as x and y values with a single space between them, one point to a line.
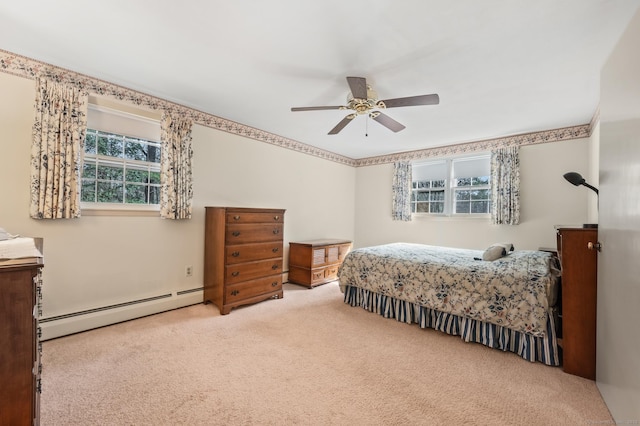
437 184
88 191
463 182
463 195
137 175
154 195
480 207
437 207
89 170
422 208
463 206
480 194
481 180
423 196
437 196
154 153
110 172
110 192
134 149
136 194
110 145
423 184
90 143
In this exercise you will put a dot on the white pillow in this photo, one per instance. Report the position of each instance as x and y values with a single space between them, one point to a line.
496 251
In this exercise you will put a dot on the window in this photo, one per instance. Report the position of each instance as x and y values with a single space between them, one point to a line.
456 186
120 169
121 161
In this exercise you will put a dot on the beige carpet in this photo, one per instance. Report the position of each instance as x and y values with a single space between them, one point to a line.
306 359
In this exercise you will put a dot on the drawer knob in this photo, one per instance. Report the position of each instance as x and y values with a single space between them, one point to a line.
235 273
235 293
235 233
274 284
274 267
235 254
275 250
276 217
236 217
276 231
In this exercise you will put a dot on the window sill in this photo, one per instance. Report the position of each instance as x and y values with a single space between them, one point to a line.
106 209
442 217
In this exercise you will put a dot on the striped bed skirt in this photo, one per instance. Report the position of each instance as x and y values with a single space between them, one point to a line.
532 348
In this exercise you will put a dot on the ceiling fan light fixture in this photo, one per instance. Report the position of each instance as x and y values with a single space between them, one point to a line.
363 106
362 100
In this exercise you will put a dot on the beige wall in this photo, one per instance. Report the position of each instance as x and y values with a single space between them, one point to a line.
547 199
96 261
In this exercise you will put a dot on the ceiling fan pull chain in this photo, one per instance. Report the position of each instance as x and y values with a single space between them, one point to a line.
366 127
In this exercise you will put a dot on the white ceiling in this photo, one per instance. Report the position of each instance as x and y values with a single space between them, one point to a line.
500 67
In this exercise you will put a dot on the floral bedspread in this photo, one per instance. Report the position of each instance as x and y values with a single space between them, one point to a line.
512 291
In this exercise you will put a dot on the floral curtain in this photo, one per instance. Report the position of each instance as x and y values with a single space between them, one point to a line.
401 188
176 189
505 186
56 151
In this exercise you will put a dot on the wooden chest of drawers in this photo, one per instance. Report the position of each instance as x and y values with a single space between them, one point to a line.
316 262
20 349
579 284
243 256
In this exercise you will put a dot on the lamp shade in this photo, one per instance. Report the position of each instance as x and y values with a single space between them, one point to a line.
577 179
574 178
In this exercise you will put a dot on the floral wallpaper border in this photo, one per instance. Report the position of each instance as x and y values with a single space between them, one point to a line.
21 66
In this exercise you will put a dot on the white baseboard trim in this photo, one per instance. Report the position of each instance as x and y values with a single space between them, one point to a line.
52 329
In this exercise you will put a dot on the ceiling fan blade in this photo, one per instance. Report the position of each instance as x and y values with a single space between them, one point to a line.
341 125
358 86
412 101
388 122
316 108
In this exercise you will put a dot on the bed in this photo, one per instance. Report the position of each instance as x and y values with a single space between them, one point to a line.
508 303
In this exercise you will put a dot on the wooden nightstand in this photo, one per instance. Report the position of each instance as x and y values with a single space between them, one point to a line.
316 262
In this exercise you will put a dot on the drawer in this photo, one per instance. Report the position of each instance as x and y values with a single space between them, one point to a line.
253 233
255 217
317 275
250 252
331 273
248 289
239 272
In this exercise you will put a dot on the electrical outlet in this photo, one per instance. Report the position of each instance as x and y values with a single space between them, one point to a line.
188 271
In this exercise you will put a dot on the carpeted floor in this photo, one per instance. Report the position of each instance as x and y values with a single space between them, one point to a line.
306 359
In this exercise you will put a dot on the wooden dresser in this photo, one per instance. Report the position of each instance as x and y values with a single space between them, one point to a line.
20 349
578 255
316 262
243 256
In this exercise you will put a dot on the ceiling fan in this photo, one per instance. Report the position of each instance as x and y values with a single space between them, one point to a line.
364 100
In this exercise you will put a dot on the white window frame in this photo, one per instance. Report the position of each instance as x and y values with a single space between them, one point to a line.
133 124
449 188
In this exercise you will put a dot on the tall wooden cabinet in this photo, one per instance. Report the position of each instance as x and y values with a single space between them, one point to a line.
577 250
316 262
243 256
20 350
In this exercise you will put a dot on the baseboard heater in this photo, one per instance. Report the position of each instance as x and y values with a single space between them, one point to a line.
88 319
